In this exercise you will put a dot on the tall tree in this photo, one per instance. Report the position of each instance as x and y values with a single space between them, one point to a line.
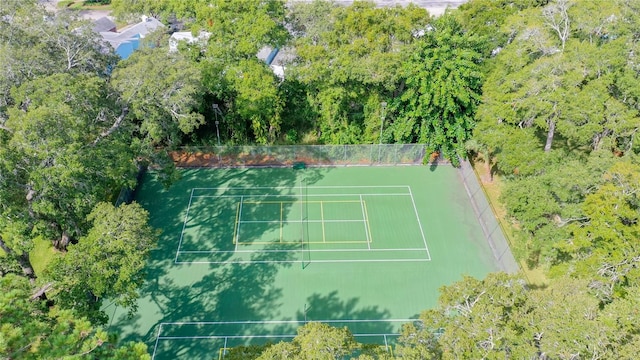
36 43
443 87
349 58
66 154
604 245
30 330
244 88
107 262
314 341
163 94
501 317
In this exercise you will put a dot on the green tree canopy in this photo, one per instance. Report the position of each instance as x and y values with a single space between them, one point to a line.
66 154
30 330
106 263
163 93
443 83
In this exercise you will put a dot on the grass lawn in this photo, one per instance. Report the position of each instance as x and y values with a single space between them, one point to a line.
41 255
82 5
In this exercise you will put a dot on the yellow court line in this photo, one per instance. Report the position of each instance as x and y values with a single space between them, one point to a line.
281 215
322 221
366 216
235 228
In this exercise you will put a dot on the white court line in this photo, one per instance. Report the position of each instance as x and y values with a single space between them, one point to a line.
419 223
268 336
238 229
322 221
297 195
155 347
366 231
276 322
297 221
272 322
206 337
309 187
293 251
184 226
299 261
410 194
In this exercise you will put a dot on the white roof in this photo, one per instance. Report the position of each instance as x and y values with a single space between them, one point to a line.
135 31
187 36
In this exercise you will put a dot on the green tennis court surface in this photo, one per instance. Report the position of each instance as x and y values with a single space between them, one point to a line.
248 255
302 224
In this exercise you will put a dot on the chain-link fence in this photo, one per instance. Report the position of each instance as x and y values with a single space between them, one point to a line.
127 195
487 217
312 155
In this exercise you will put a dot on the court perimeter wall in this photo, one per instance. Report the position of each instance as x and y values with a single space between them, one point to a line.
311 155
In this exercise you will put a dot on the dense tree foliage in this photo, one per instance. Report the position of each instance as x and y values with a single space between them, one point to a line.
443 82
107 263
162 93
67 143
30 330
500 317
350 59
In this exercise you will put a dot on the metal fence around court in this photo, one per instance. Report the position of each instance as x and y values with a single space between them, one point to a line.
485 213
312 155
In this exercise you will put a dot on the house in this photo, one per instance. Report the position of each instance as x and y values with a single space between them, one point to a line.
276 59
188 37
104 24
128 39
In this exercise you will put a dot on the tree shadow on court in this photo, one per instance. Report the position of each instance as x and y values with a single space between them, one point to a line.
331 307
220 289
229 292
259 199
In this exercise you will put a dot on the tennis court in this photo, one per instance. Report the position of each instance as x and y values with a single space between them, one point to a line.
316 223
248 255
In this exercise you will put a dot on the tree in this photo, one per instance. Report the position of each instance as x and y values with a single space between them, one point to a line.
66 154
542 84
106 263
443 87
244 88
162 92
30 330
604 245
36 43
256 101
486 18
501 317
349 59
314 341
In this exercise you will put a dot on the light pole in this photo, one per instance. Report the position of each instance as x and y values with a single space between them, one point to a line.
216 111
383 105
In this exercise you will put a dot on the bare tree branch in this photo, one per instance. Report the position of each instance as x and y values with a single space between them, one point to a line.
113 127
